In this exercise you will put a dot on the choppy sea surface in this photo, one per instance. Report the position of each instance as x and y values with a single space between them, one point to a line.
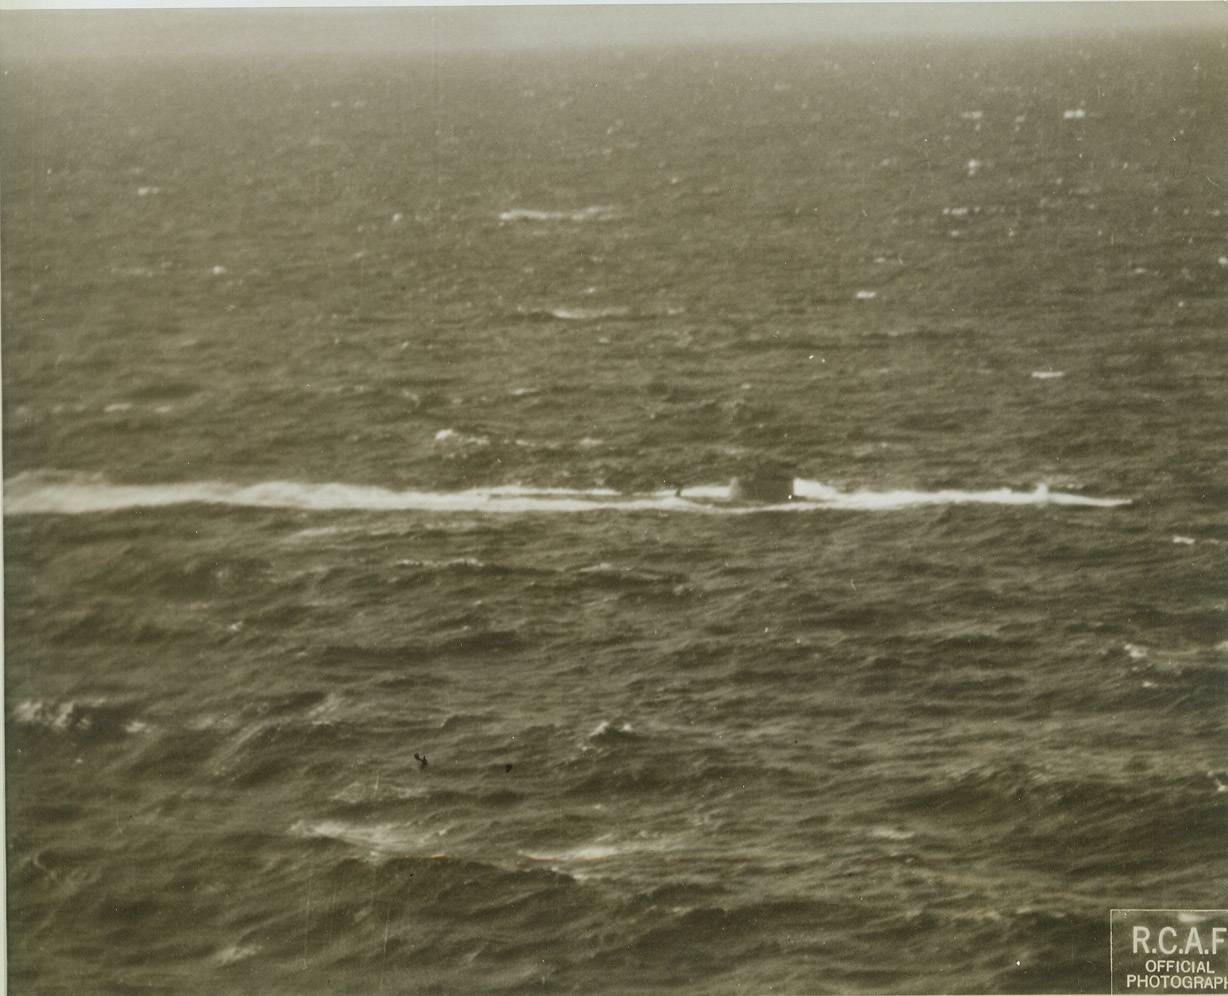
370 408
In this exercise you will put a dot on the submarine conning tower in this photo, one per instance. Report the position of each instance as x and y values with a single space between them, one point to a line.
772 485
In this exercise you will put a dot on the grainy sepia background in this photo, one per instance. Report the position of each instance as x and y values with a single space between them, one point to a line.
373 381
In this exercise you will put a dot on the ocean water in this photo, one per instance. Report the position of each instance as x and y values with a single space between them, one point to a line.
360 409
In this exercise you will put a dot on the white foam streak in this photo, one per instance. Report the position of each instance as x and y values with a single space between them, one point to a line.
385 839
593 852
870 501
33 493
595 212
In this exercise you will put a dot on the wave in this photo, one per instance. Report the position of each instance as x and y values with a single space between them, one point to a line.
56 493
595 212
578 314
887 500
94 719
385 839
592 852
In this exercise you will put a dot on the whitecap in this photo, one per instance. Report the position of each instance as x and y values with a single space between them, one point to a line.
587 314
596 212
1184 540
1048 374
453 438
604 727
319 532
866 295
891 833
327 711
96 717
235 952
591 852
378 840
442 565
828 497
1077 114
60 716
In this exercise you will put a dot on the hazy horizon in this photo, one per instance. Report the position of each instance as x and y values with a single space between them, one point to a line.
181 32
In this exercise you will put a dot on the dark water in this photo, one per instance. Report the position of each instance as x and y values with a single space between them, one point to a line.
346 408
